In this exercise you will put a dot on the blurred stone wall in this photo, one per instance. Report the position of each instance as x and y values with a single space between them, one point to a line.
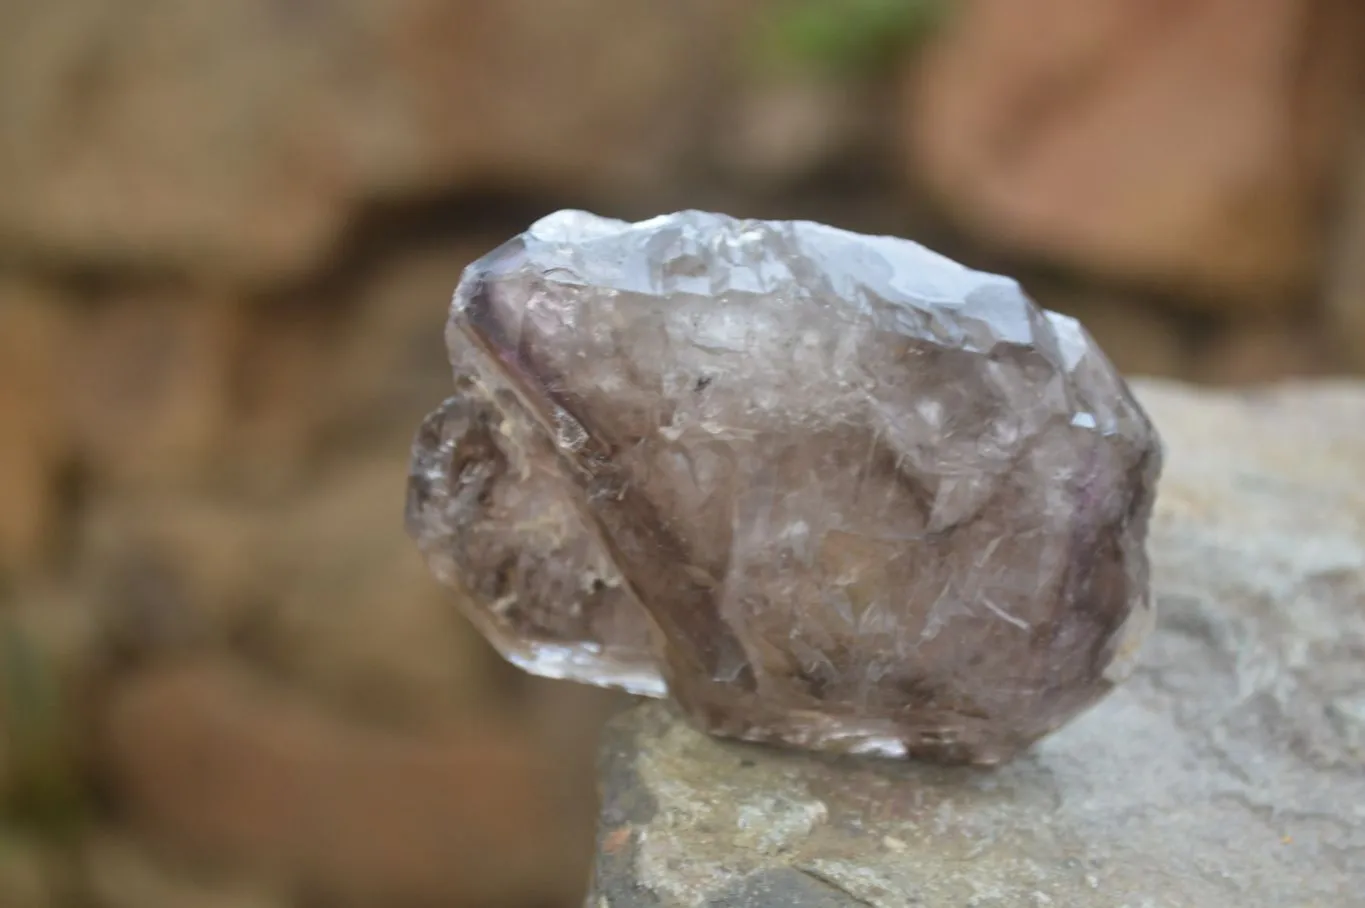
228 232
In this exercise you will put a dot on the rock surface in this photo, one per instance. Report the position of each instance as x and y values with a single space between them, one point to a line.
237 140
209 760
32 335
837 490
1346 283
1229 772
1191 146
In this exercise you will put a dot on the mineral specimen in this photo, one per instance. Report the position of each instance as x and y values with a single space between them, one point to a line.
828 490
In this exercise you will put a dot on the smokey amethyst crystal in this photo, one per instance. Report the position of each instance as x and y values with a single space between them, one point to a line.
827 490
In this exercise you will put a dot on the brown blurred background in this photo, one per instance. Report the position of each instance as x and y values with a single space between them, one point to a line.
228 232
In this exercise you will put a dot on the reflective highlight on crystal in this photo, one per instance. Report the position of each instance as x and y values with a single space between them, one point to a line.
835 491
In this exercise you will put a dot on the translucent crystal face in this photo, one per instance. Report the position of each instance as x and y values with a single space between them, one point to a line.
496 524
834 491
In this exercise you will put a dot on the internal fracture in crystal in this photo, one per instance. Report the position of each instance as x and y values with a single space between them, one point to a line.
826 490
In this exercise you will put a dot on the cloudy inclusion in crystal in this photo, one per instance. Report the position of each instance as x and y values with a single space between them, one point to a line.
830 490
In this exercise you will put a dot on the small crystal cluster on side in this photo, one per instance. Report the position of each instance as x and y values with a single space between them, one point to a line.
823 489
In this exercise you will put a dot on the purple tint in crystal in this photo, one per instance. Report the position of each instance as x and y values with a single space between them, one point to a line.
834 491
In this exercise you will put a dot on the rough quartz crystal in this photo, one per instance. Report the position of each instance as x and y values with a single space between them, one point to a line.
827 490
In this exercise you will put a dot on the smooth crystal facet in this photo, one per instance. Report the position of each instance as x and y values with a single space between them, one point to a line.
829 490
